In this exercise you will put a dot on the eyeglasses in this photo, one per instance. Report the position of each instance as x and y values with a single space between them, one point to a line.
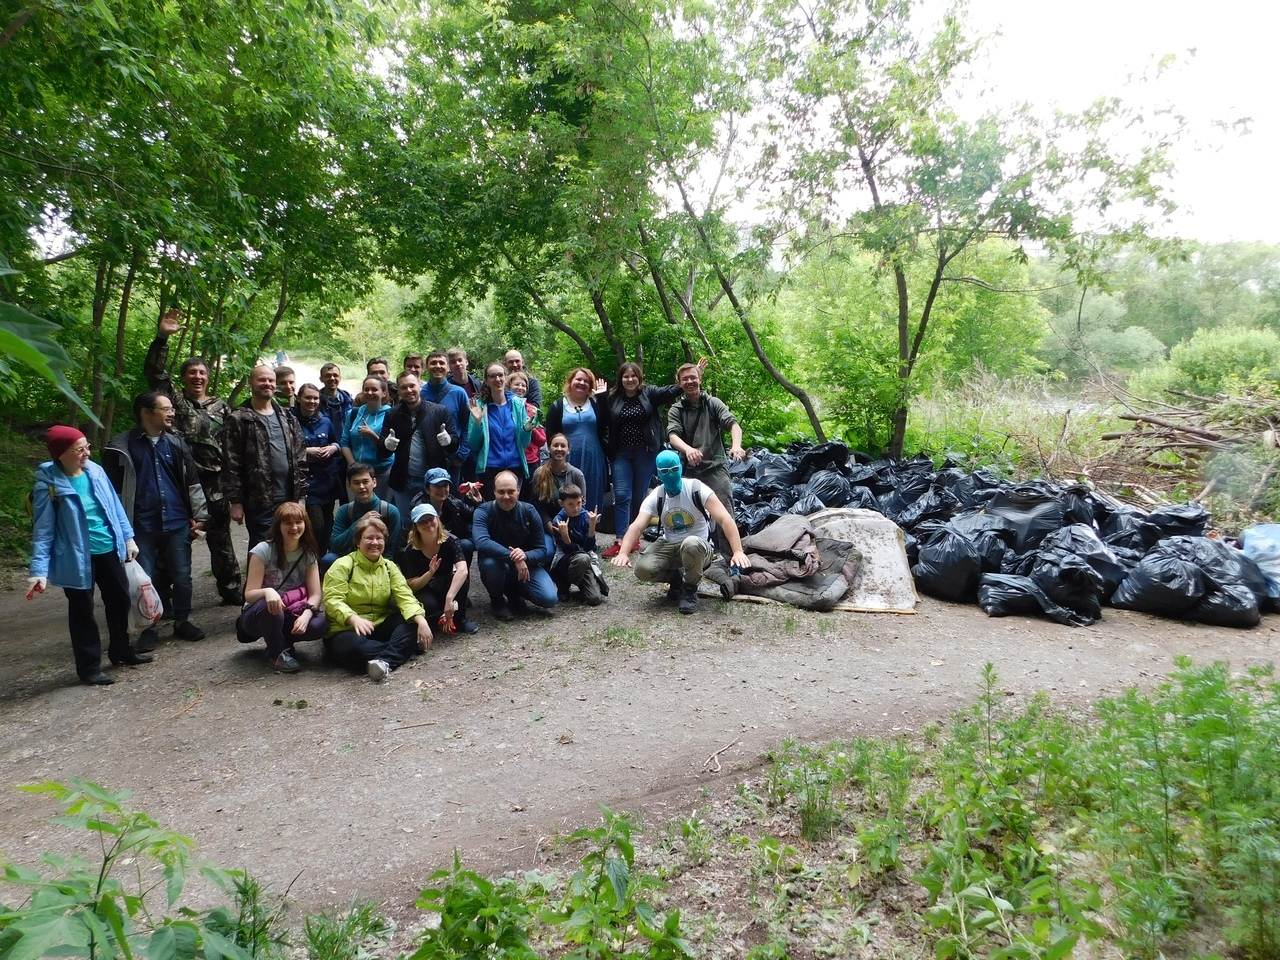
496 376
667 471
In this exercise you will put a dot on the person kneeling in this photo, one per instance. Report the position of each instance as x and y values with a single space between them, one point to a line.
376 623
575 531
685 509
436 571
512 551
282 589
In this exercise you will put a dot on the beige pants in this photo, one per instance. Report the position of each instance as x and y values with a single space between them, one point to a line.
662 558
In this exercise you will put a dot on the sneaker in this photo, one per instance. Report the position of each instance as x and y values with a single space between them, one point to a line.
147 641
285 663
503 613
613 551
689 598
377 670
187 630
467 626
635 547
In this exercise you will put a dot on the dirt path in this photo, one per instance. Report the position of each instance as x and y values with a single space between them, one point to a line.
491 743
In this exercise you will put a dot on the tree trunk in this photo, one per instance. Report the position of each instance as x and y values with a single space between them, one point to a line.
282 304
658 284
126 292
741 312
101 290
619 351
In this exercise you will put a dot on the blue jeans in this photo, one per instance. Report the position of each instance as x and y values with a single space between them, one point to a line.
499 579
632 470
175 547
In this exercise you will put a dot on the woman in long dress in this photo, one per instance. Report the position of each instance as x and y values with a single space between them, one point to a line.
582 416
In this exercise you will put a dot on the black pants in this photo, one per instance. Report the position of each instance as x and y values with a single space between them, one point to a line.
394 641
86 642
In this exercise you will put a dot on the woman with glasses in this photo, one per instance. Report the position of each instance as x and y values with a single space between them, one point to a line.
82 538
500 429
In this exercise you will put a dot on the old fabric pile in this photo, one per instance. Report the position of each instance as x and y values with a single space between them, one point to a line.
1016 548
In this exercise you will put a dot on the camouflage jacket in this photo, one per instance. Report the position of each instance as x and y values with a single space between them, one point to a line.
246 453
198 422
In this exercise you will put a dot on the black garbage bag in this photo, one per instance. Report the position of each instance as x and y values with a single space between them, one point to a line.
935 505
868 475
908 488
833 456
1180 520
782 502
1077 504
798 446
746 467
1234 585
774 473
1162 584
911 547
975 489
949 567
806 505
991 535
1035 509
863 498
1006 595
1232 605
1122 528
1068 580
744 490
754 517
829 486
1083 541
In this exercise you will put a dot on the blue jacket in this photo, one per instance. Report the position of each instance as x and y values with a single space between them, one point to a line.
478 432
60 535
454 399
323 483
496 531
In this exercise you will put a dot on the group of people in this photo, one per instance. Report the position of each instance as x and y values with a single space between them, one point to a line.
436 470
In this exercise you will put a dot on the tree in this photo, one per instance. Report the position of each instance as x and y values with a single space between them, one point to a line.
862 117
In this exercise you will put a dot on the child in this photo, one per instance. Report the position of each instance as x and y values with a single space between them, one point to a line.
575 535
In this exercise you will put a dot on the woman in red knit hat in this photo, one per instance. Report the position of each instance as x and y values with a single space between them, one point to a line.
82 537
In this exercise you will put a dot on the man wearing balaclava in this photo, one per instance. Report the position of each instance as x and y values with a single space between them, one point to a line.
685 509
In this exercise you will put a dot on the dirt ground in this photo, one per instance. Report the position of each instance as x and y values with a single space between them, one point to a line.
496 742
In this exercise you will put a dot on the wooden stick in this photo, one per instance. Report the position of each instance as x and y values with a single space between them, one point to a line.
714 757
425 723
199 694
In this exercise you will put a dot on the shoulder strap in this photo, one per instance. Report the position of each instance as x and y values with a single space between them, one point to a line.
384 509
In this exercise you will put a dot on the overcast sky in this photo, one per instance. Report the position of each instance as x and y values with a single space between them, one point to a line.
1227 185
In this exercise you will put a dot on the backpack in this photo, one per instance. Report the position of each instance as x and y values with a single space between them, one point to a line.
698 498
31 501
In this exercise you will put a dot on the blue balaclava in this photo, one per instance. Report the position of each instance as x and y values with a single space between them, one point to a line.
669 471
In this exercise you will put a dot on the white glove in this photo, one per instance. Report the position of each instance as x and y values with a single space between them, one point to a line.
392 440
130 550
36 585
443 437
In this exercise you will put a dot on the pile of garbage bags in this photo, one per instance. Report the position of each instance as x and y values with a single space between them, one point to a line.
1030 547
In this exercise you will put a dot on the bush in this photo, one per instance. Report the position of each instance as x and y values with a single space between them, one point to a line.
1215 360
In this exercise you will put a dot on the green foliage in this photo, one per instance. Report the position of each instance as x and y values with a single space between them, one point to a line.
108 909
601 914
19 456
1221 359
353 935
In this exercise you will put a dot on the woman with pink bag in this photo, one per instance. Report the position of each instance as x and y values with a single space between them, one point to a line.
282 589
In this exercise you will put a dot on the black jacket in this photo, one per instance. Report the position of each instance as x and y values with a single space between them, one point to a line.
651 398
427 419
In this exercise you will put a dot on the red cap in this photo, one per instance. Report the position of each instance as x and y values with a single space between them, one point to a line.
60 439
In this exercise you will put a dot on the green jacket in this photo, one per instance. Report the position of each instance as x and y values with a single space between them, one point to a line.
355 584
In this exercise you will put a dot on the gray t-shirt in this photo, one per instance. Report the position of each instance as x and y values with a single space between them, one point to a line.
682 515
295 564
279 457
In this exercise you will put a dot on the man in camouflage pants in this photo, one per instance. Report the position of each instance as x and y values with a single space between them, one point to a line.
198 419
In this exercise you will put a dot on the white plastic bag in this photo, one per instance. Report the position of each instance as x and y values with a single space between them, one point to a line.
145 608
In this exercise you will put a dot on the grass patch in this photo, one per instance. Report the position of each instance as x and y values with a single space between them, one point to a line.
1148 829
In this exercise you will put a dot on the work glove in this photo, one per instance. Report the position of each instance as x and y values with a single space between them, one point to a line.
392 441
130 550
36 585
443 437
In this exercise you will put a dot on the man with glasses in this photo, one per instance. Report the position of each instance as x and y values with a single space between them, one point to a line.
159 485
685 509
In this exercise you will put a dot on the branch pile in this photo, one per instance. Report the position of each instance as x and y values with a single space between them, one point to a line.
1173 441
